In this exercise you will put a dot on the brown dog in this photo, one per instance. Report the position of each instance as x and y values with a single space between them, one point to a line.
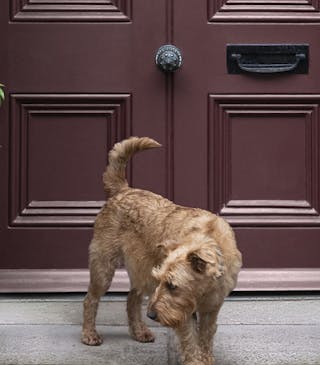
184 259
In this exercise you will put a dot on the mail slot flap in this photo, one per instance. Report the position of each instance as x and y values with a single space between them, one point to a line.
268 58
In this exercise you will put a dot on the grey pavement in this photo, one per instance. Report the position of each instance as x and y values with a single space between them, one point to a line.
268 330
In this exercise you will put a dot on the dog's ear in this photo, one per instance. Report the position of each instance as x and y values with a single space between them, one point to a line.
197 263
207 260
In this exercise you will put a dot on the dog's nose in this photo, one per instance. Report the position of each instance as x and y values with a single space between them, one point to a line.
152 315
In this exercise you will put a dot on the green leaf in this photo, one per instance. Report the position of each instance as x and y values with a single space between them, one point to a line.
1 93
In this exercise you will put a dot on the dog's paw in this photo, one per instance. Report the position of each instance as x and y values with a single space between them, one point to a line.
146 336
143 335
91 338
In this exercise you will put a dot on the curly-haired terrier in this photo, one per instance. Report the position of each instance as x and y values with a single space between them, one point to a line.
185 259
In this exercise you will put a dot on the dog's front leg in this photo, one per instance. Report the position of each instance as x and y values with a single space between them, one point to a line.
187 334
137 328
207 329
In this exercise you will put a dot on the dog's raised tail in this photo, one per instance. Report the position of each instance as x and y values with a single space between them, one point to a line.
114 178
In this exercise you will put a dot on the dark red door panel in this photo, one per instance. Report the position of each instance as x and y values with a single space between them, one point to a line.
78 77
248 144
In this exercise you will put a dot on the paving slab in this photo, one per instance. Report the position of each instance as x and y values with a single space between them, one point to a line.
64 313
45 330
112 312
269 312
60 345
234 345
267 345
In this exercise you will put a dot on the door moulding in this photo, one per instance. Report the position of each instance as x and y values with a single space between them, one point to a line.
263 10
69 11
76 280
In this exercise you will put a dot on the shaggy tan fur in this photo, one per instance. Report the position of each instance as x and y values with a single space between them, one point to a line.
184 259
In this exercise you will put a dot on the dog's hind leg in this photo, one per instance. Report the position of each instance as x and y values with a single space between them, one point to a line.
137 328
102 268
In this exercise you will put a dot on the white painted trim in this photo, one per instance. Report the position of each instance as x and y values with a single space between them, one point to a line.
38 281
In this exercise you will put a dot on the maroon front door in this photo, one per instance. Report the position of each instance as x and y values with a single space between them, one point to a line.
81 76
78 77
248 144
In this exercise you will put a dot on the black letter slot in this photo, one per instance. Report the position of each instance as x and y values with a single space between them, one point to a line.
267 58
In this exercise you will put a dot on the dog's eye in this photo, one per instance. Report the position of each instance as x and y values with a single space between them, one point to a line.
171 286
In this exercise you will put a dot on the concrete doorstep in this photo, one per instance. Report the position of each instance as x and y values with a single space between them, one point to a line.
45 330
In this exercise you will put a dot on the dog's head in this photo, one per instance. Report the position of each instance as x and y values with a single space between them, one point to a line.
186 275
